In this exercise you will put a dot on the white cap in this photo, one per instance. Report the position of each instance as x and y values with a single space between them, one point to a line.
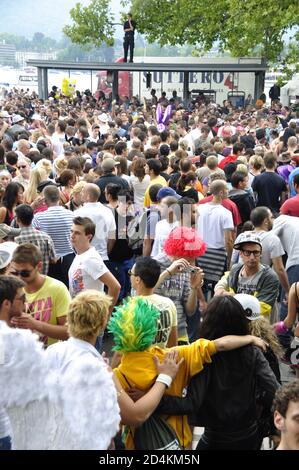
17 118
250 304
36 117
6 251
103 117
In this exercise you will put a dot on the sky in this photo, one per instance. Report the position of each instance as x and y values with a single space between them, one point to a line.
25 17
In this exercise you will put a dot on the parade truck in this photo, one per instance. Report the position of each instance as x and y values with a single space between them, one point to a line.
218 85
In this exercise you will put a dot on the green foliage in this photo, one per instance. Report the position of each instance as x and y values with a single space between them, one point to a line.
92 25
242 28
39 42
290 61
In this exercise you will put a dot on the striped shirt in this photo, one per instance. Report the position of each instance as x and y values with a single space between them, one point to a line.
40 239
56 221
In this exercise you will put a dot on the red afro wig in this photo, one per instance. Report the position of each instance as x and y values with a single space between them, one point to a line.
185 243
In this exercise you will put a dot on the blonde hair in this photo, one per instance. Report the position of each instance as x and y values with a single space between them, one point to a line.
262 329
36 134
242 159
45 164
60 164
88 313
256 162
37 175
78 187
259 150
243 168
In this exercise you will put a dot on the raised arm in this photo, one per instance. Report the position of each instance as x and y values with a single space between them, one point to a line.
227 343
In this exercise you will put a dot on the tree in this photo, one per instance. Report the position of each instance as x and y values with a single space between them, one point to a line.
242 28
245 28
92 25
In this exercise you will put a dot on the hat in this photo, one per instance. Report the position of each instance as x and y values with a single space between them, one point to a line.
103 117
164 192
284 157
7 231
251 306
108 164
17 118
36 117
5 115
6 252
247 237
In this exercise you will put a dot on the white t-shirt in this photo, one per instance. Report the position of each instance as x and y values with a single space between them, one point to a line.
286 228
167 319
57 142
104 221
212 221
163 229
272 247
139 188
85 271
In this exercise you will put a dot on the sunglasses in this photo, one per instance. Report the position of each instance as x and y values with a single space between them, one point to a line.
255 253
23 273
131 273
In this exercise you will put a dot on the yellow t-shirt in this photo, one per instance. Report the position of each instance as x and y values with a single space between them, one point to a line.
158 180
51 301
137 370
166 321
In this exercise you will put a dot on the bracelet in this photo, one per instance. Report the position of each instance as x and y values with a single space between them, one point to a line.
167 270
164 379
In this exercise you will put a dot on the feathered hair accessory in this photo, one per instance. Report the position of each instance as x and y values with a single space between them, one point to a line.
185 243
163 119
134 325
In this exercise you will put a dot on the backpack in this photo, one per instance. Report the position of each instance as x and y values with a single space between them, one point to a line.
136 230
156 434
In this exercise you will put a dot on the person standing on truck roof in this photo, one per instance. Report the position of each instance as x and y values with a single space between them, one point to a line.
129 29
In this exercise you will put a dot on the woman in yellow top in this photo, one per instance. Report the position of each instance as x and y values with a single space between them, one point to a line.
134 327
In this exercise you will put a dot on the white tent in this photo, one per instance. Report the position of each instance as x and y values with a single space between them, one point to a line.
289 91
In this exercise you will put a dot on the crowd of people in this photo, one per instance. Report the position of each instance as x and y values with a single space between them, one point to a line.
171 227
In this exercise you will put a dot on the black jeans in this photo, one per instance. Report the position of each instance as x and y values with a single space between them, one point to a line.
128 44
60 270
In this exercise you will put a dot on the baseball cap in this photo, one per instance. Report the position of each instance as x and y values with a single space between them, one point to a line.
164 192
247 237
6 252
108 164
36 117
251 306
4 115
7 231
17 118
103 117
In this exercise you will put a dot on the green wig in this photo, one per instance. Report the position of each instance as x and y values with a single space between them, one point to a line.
134 325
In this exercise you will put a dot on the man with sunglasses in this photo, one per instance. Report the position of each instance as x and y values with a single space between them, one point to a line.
47 298
250 276
23 165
